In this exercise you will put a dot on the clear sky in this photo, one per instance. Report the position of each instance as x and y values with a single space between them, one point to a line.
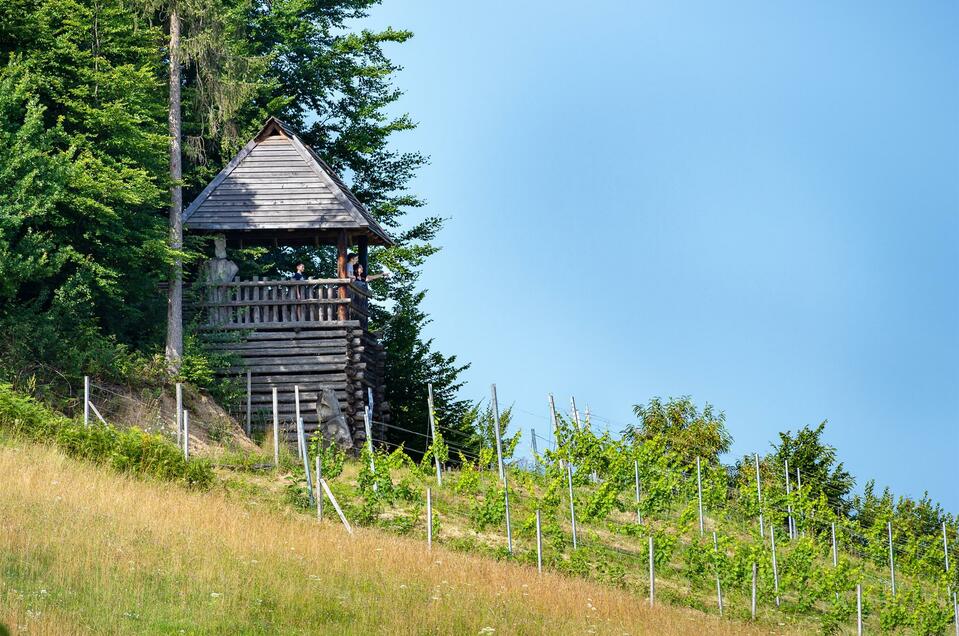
753 203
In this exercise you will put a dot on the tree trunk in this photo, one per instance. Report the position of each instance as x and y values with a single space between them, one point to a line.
174 337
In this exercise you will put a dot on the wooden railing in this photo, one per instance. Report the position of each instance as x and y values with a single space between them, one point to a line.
266 303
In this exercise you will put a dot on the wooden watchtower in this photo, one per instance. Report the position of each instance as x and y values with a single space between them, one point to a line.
311 334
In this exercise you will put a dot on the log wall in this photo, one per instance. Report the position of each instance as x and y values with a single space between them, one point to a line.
342 356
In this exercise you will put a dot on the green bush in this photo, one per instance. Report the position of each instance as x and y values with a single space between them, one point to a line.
125 450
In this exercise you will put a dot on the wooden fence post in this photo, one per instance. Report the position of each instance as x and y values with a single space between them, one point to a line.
496 432
572 503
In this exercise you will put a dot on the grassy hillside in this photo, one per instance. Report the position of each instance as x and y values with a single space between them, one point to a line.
85 549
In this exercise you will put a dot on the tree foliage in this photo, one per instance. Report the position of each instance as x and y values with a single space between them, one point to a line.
688 431
816 462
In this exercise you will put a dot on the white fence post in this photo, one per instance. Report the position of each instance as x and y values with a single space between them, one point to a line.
186 434
699 494
759 497
179 413
306 459
509 528
572 504
86 400
249 403
652 574
296 404
539 543
955 611
532 444
496 432
436 459
319 493
555 424
859 609
719 586
892 559
789 505
772 535
945 545
276 432
336 506
753 606
639 514
835 552
429 519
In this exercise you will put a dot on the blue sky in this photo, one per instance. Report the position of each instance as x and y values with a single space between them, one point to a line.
754 203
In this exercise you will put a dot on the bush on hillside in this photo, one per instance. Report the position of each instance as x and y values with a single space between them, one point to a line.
125 450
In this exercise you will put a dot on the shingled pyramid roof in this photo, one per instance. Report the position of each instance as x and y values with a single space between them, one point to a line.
276 182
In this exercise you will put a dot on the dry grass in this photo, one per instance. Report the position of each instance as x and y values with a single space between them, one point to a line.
82 549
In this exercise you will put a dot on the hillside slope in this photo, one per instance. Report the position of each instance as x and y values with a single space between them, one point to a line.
83 549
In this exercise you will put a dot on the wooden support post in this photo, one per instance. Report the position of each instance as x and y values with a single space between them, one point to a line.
652 574
429 519
186 434
363 251
572 503
436 459
86 400
249 402
699 494
276 432
496 434
179 413
772 536
759 497
341 248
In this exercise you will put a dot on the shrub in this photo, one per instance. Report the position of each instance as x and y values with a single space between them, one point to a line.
125 450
